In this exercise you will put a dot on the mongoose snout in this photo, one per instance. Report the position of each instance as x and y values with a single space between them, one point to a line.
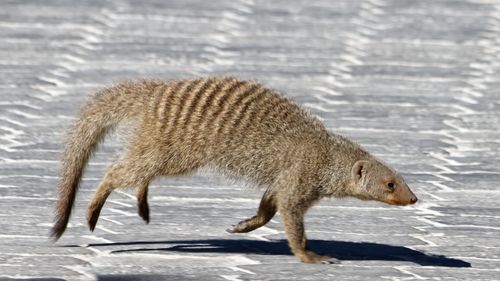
405 197
241 129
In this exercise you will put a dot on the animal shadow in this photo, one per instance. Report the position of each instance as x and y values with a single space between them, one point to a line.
342 250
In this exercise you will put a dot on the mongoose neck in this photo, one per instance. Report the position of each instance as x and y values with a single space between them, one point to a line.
342 154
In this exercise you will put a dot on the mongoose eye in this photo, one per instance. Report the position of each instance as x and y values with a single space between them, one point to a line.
391 185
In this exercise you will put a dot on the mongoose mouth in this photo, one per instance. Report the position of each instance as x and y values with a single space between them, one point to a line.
410 201
401 197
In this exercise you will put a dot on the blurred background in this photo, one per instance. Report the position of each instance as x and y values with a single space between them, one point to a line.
415 82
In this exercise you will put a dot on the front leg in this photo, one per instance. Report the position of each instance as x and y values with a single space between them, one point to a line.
292 210
294 228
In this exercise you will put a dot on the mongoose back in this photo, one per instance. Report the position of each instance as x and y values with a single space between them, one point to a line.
238 127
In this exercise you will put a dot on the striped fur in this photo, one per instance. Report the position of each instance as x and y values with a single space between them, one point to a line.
240 128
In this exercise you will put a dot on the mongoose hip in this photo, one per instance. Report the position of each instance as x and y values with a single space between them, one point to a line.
238 127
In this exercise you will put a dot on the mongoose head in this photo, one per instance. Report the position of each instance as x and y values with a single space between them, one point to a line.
373 180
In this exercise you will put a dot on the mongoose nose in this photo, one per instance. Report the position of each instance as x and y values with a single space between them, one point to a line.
413 200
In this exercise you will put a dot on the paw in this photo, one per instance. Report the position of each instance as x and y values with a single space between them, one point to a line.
243 226
92 217
236 229
330 260
230 230
312 257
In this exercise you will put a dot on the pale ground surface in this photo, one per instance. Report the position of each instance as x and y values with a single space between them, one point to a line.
415 82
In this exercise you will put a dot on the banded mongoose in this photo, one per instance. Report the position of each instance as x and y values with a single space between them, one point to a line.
238 127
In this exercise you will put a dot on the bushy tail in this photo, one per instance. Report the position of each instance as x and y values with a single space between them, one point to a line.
104 111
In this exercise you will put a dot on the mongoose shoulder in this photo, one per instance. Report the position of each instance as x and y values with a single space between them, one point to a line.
238 127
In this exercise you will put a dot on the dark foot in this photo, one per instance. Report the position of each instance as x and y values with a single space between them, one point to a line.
92 217
143 210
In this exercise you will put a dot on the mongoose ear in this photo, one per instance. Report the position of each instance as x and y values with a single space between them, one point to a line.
358 170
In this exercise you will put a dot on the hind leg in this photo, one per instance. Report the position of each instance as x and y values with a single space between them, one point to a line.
267 209
143 162
174 167
121 174
122 177
94 208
